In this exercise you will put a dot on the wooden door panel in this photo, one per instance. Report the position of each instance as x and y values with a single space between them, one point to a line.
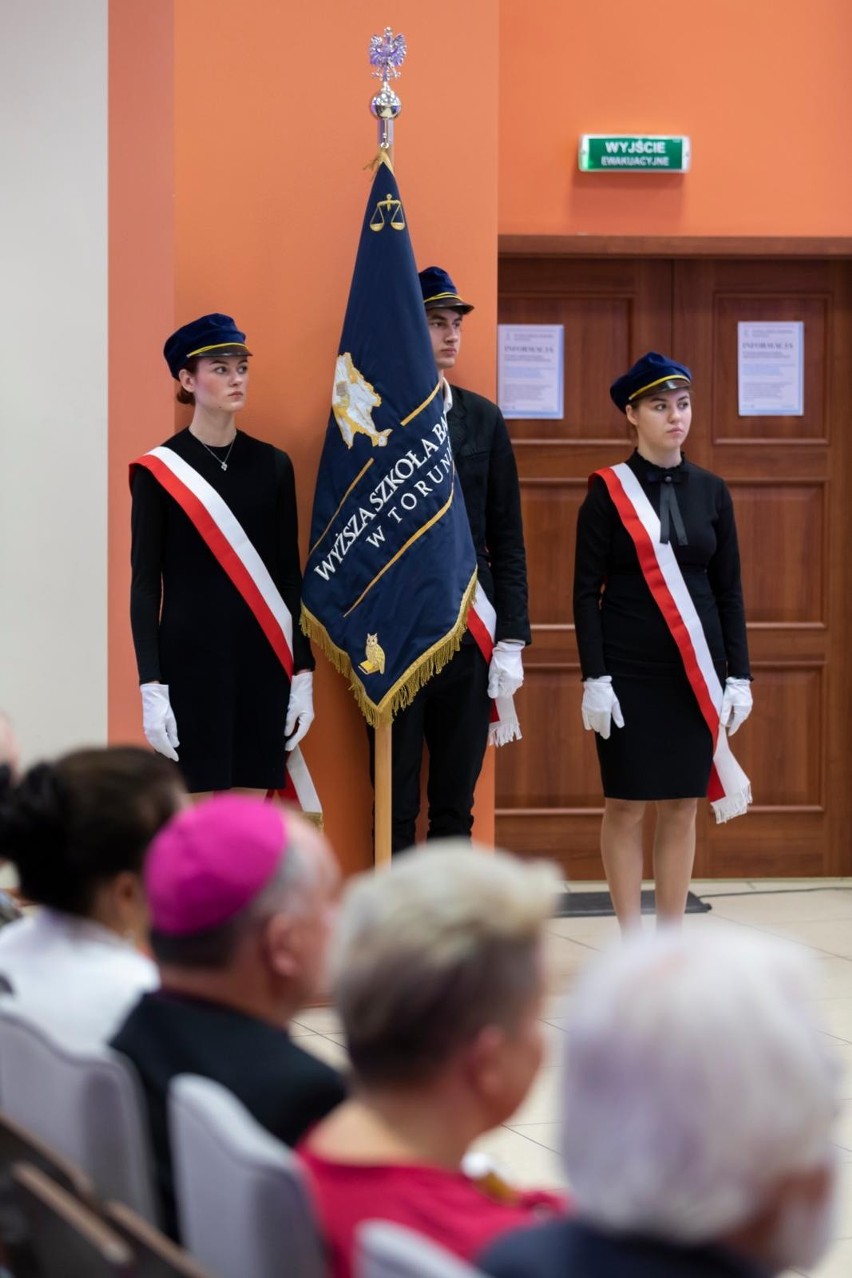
561 772
781 524
550 523
785 766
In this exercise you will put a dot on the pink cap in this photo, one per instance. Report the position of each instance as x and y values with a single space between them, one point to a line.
209 861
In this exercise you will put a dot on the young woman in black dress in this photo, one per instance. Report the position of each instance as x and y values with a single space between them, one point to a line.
653 740
215 695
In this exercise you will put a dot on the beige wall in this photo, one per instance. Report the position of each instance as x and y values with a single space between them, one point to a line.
53 371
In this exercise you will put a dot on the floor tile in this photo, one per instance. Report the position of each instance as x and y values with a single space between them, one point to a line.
546 1134
713 887
833 977
785 906
827 936
843 1130
843 1051
836 1015
542 1102
599 933
837 1264
322 1020
326 1049
297 1030
523 1162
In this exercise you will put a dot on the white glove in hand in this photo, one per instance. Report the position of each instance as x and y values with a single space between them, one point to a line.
600 706
300 708
506 669
736 704
158 720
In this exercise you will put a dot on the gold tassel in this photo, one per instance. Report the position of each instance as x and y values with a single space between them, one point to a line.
381 157
404 692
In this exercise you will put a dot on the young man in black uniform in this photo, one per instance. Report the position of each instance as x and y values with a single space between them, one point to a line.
451 712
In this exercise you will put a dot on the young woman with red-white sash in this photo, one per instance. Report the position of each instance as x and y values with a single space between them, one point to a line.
224 669
661 631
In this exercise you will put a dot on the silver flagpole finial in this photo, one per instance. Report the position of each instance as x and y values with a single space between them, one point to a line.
387 54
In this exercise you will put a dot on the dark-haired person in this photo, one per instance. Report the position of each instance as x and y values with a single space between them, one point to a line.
77 831
241 895
216 693
660 622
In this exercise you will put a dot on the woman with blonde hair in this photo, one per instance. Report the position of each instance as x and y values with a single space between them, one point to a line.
438 978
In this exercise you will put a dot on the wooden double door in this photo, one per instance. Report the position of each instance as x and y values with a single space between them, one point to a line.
791 481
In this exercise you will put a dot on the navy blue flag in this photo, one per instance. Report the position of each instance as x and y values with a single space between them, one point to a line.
392 570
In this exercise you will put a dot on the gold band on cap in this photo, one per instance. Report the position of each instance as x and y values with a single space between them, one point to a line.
219 346
438 296
670 377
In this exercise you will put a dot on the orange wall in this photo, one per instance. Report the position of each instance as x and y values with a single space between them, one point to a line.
141 297
761 86
271 132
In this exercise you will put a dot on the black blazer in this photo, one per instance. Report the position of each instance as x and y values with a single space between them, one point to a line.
489 480
573 1249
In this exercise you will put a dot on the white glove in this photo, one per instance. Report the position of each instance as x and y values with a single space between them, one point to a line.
600 706
506 669
158 720
300 708
736 704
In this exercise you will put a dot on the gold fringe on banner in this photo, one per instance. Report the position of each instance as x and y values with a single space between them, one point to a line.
405 689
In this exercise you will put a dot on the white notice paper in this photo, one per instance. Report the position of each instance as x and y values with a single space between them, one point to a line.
771 359
529 369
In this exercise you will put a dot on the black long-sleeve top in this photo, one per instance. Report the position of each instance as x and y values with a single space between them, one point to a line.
620 629
488 474
179 593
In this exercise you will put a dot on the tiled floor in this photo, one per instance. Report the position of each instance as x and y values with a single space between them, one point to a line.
814 913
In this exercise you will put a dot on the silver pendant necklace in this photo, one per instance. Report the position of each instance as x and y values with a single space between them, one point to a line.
223 461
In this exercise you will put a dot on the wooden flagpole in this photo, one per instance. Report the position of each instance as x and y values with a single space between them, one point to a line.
383 774
386 54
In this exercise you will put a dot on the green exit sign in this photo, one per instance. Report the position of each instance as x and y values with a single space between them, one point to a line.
633 153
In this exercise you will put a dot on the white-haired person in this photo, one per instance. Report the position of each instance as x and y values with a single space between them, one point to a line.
438 978
699 1098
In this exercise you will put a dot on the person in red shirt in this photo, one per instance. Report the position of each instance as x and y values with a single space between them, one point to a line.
437 976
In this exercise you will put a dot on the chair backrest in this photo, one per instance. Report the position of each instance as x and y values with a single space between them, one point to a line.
386 1250
243 1205
69 1239
18 1145
86 1102
155 1255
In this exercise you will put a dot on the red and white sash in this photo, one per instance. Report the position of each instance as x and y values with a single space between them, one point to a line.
227 539
482 624
729 790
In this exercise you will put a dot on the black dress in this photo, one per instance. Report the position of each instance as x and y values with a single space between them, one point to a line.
664 750
227 688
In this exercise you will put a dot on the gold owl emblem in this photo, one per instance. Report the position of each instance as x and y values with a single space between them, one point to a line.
375 662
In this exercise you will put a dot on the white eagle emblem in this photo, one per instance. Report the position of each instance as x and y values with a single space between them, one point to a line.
352 402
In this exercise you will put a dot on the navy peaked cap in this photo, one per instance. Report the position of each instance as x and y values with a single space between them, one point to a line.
210 335
439 290
651 372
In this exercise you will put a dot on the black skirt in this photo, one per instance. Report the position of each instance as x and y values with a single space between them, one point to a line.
664 750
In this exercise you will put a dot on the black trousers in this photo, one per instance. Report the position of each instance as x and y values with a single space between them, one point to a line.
450 715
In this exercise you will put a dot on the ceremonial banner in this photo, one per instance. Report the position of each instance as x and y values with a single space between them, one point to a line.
392 570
